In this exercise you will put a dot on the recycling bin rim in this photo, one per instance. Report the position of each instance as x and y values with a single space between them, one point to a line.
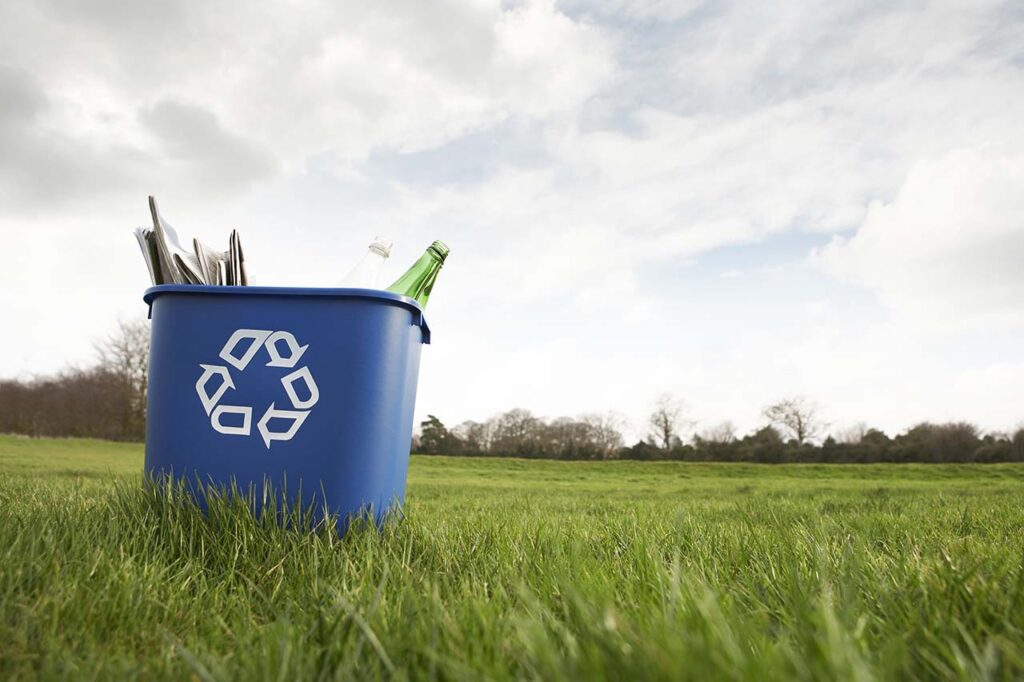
419 319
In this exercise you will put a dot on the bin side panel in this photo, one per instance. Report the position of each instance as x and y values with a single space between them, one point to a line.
313 395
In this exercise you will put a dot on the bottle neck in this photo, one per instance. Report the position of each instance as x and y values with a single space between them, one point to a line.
438 250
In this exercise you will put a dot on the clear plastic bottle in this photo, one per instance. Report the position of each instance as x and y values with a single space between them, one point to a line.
367 272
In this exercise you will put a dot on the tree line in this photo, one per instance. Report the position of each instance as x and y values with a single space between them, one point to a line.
108 400
105 400
792 433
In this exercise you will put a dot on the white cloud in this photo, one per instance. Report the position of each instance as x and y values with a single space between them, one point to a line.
425 75
194 142
991 395
275 84
949 247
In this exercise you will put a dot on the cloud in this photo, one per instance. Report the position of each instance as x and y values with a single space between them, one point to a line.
419 77
21 98
735 125
270 88
193 140
948 247
589 164
994 392
55 155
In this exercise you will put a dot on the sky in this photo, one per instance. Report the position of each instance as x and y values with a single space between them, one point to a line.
730 202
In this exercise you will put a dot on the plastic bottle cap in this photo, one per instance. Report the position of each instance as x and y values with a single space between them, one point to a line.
381 246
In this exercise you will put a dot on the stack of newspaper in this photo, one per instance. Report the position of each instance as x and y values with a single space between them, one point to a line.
170 263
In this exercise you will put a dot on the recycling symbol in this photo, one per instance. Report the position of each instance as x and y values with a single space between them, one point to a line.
272 342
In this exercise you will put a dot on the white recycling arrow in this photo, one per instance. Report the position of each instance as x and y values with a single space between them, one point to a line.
208 371
314 393
296 416
242 430
258 336
295 351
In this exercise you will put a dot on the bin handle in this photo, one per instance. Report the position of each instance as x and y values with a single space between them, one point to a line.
420 320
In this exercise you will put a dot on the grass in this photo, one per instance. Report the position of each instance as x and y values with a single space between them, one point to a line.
513 569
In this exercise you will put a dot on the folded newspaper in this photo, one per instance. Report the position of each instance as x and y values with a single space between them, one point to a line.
171 263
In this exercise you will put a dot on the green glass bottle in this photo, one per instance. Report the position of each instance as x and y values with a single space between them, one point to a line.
419 279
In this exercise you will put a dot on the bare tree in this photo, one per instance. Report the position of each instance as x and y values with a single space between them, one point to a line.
667 421
475 436
722 433
125 354
797 417
564 437
605 431
83 403
852 435
515 433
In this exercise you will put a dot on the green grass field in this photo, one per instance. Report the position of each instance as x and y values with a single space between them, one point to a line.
519 569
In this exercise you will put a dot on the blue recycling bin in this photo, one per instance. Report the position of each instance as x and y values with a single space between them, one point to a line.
308 391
